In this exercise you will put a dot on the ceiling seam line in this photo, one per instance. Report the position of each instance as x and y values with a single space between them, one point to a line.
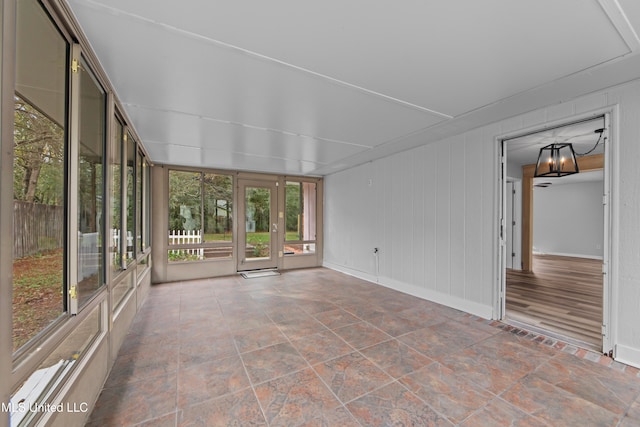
270 59
262 156
229 122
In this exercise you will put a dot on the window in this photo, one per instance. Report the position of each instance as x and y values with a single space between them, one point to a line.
139 211
47 380
120 289
218 210
39 280
45 259
200 216
300 218
91 138
185 200
147 204
130 201
115 245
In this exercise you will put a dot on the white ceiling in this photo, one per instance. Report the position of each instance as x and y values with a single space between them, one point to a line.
302 87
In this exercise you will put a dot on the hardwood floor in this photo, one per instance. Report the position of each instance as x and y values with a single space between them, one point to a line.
562 295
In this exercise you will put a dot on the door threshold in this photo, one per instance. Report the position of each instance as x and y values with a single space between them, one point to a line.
254 274
564 338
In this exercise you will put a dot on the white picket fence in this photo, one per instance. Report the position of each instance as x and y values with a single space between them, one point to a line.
115 243
88 255
186 237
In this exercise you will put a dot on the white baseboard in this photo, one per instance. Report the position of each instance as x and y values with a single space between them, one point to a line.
569 255
351 272
627 355
481 310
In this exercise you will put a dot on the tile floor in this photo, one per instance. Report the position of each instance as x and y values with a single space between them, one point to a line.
316 347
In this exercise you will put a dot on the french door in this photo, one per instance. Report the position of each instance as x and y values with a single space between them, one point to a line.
257 224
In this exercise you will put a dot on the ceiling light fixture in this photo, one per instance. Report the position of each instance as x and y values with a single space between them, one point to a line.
556 160
559 159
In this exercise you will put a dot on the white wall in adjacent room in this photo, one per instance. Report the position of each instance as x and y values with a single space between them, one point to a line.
568 219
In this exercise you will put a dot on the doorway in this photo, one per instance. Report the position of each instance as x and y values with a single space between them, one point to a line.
558 288
258 232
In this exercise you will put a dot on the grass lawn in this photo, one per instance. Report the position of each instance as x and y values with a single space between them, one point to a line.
252 238
37 294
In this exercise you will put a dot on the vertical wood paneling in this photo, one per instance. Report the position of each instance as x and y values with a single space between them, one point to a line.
443 218
377 193
418 197
626 257
473 166
490 179
422 218
386 254
629 194
398 216
363 208
371 240
458 194
406 224
430 207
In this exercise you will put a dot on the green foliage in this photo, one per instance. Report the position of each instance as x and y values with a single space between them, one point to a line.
261 250
116 197
182 255
260 242
38 165
184 200
258 237
218 204
293 207
258 205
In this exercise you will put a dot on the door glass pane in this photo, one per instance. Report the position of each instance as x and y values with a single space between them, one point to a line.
90 185
38 173
257 222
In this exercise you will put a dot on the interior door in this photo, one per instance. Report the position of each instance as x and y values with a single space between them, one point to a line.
258 225
509 224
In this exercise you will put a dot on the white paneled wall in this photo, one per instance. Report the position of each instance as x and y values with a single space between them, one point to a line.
427 211
433 212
